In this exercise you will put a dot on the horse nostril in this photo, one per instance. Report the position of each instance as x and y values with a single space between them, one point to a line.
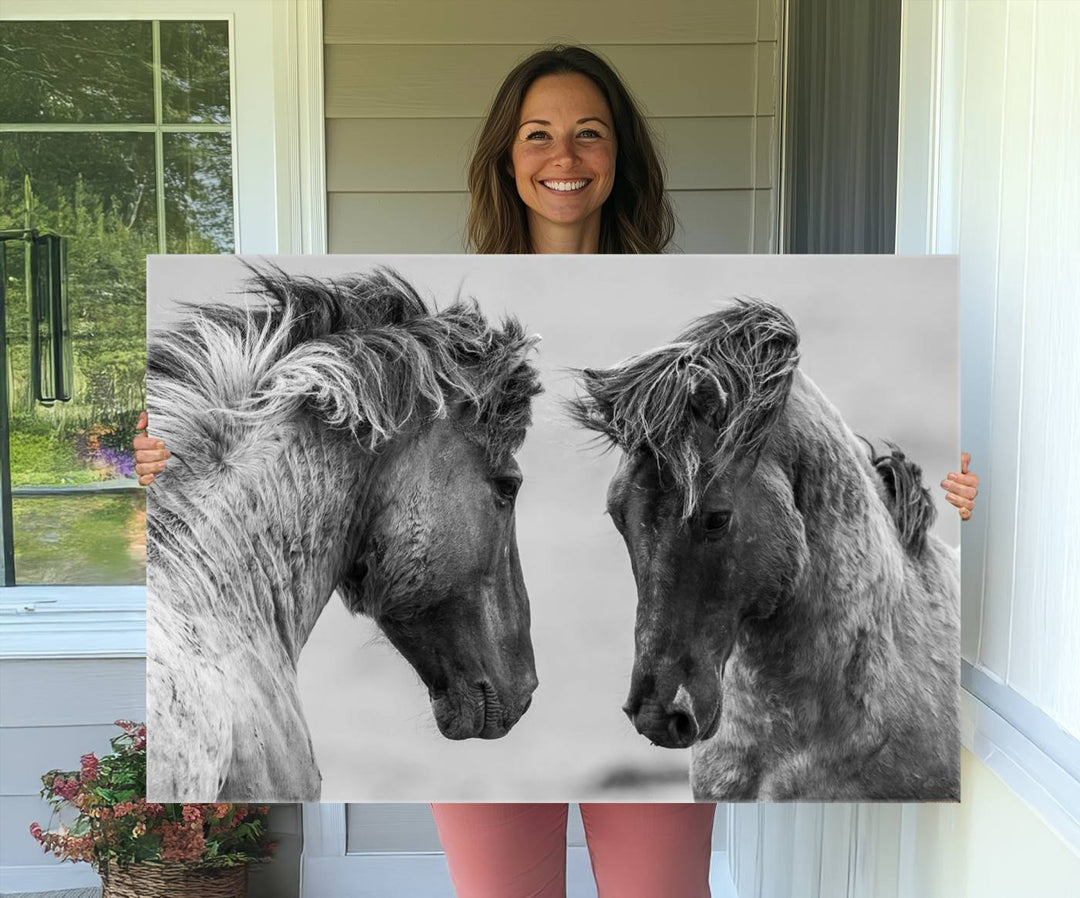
682 728
630 709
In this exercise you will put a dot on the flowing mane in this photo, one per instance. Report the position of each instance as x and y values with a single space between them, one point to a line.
362 352
909 502
308 458
800 632
731 370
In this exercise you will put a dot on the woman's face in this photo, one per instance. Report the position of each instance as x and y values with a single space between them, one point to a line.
563 154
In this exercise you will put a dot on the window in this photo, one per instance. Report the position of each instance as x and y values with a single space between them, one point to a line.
118 136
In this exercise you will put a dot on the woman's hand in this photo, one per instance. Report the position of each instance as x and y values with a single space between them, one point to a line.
962 488
150 454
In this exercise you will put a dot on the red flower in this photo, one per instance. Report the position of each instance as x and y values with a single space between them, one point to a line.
65 788
181 841
89 767
192 813
144 808
36 831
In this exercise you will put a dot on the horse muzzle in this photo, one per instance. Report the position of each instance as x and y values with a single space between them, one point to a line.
678 722
477 711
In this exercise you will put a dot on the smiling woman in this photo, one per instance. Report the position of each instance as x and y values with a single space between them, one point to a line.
565 164
563 161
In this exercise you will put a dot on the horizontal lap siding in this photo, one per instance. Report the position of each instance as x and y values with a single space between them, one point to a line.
709 221
54 711
460 80
408 84
523 22
395 155
63 693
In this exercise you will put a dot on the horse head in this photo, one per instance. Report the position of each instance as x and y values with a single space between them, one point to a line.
705 506
436 560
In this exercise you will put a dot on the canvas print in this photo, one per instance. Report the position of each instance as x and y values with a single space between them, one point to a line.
564 528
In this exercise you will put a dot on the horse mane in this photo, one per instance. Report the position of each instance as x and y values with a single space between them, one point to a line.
910 504
730 370
361 352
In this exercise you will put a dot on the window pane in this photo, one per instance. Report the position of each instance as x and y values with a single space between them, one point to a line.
195 71
98 191
198 193
76 72
81 540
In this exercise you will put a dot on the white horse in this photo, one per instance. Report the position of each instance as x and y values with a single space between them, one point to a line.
344 437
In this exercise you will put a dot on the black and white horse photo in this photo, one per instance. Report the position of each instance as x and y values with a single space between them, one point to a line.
343 436
797 623
345 424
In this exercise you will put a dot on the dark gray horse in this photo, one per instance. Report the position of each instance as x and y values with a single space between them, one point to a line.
797 624
343 438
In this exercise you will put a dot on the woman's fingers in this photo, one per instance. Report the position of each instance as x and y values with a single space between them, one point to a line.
147 443
149 455
960 501
962 487
968 489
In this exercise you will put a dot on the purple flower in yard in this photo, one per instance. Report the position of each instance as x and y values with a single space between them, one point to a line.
120 462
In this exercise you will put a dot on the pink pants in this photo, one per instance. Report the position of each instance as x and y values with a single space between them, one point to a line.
519 850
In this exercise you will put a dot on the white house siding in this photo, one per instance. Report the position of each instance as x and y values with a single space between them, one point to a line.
55 710
408 83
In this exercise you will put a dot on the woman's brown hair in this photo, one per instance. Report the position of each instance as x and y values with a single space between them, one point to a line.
637 216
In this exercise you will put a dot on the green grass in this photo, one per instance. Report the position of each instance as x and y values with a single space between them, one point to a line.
83 539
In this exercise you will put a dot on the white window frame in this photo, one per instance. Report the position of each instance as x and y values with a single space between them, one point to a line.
276 54
1007 732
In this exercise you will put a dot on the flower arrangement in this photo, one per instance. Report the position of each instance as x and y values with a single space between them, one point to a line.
115 824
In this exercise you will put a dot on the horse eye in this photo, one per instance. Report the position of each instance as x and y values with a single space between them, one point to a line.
716 522
506 488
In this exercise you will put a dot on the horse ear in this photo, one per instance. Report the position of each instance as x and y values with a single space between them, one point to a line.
596 386
708 399
520 355
596 409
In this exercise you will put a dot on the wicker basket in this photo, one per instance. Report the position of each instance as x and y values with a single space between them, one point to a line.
148 880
